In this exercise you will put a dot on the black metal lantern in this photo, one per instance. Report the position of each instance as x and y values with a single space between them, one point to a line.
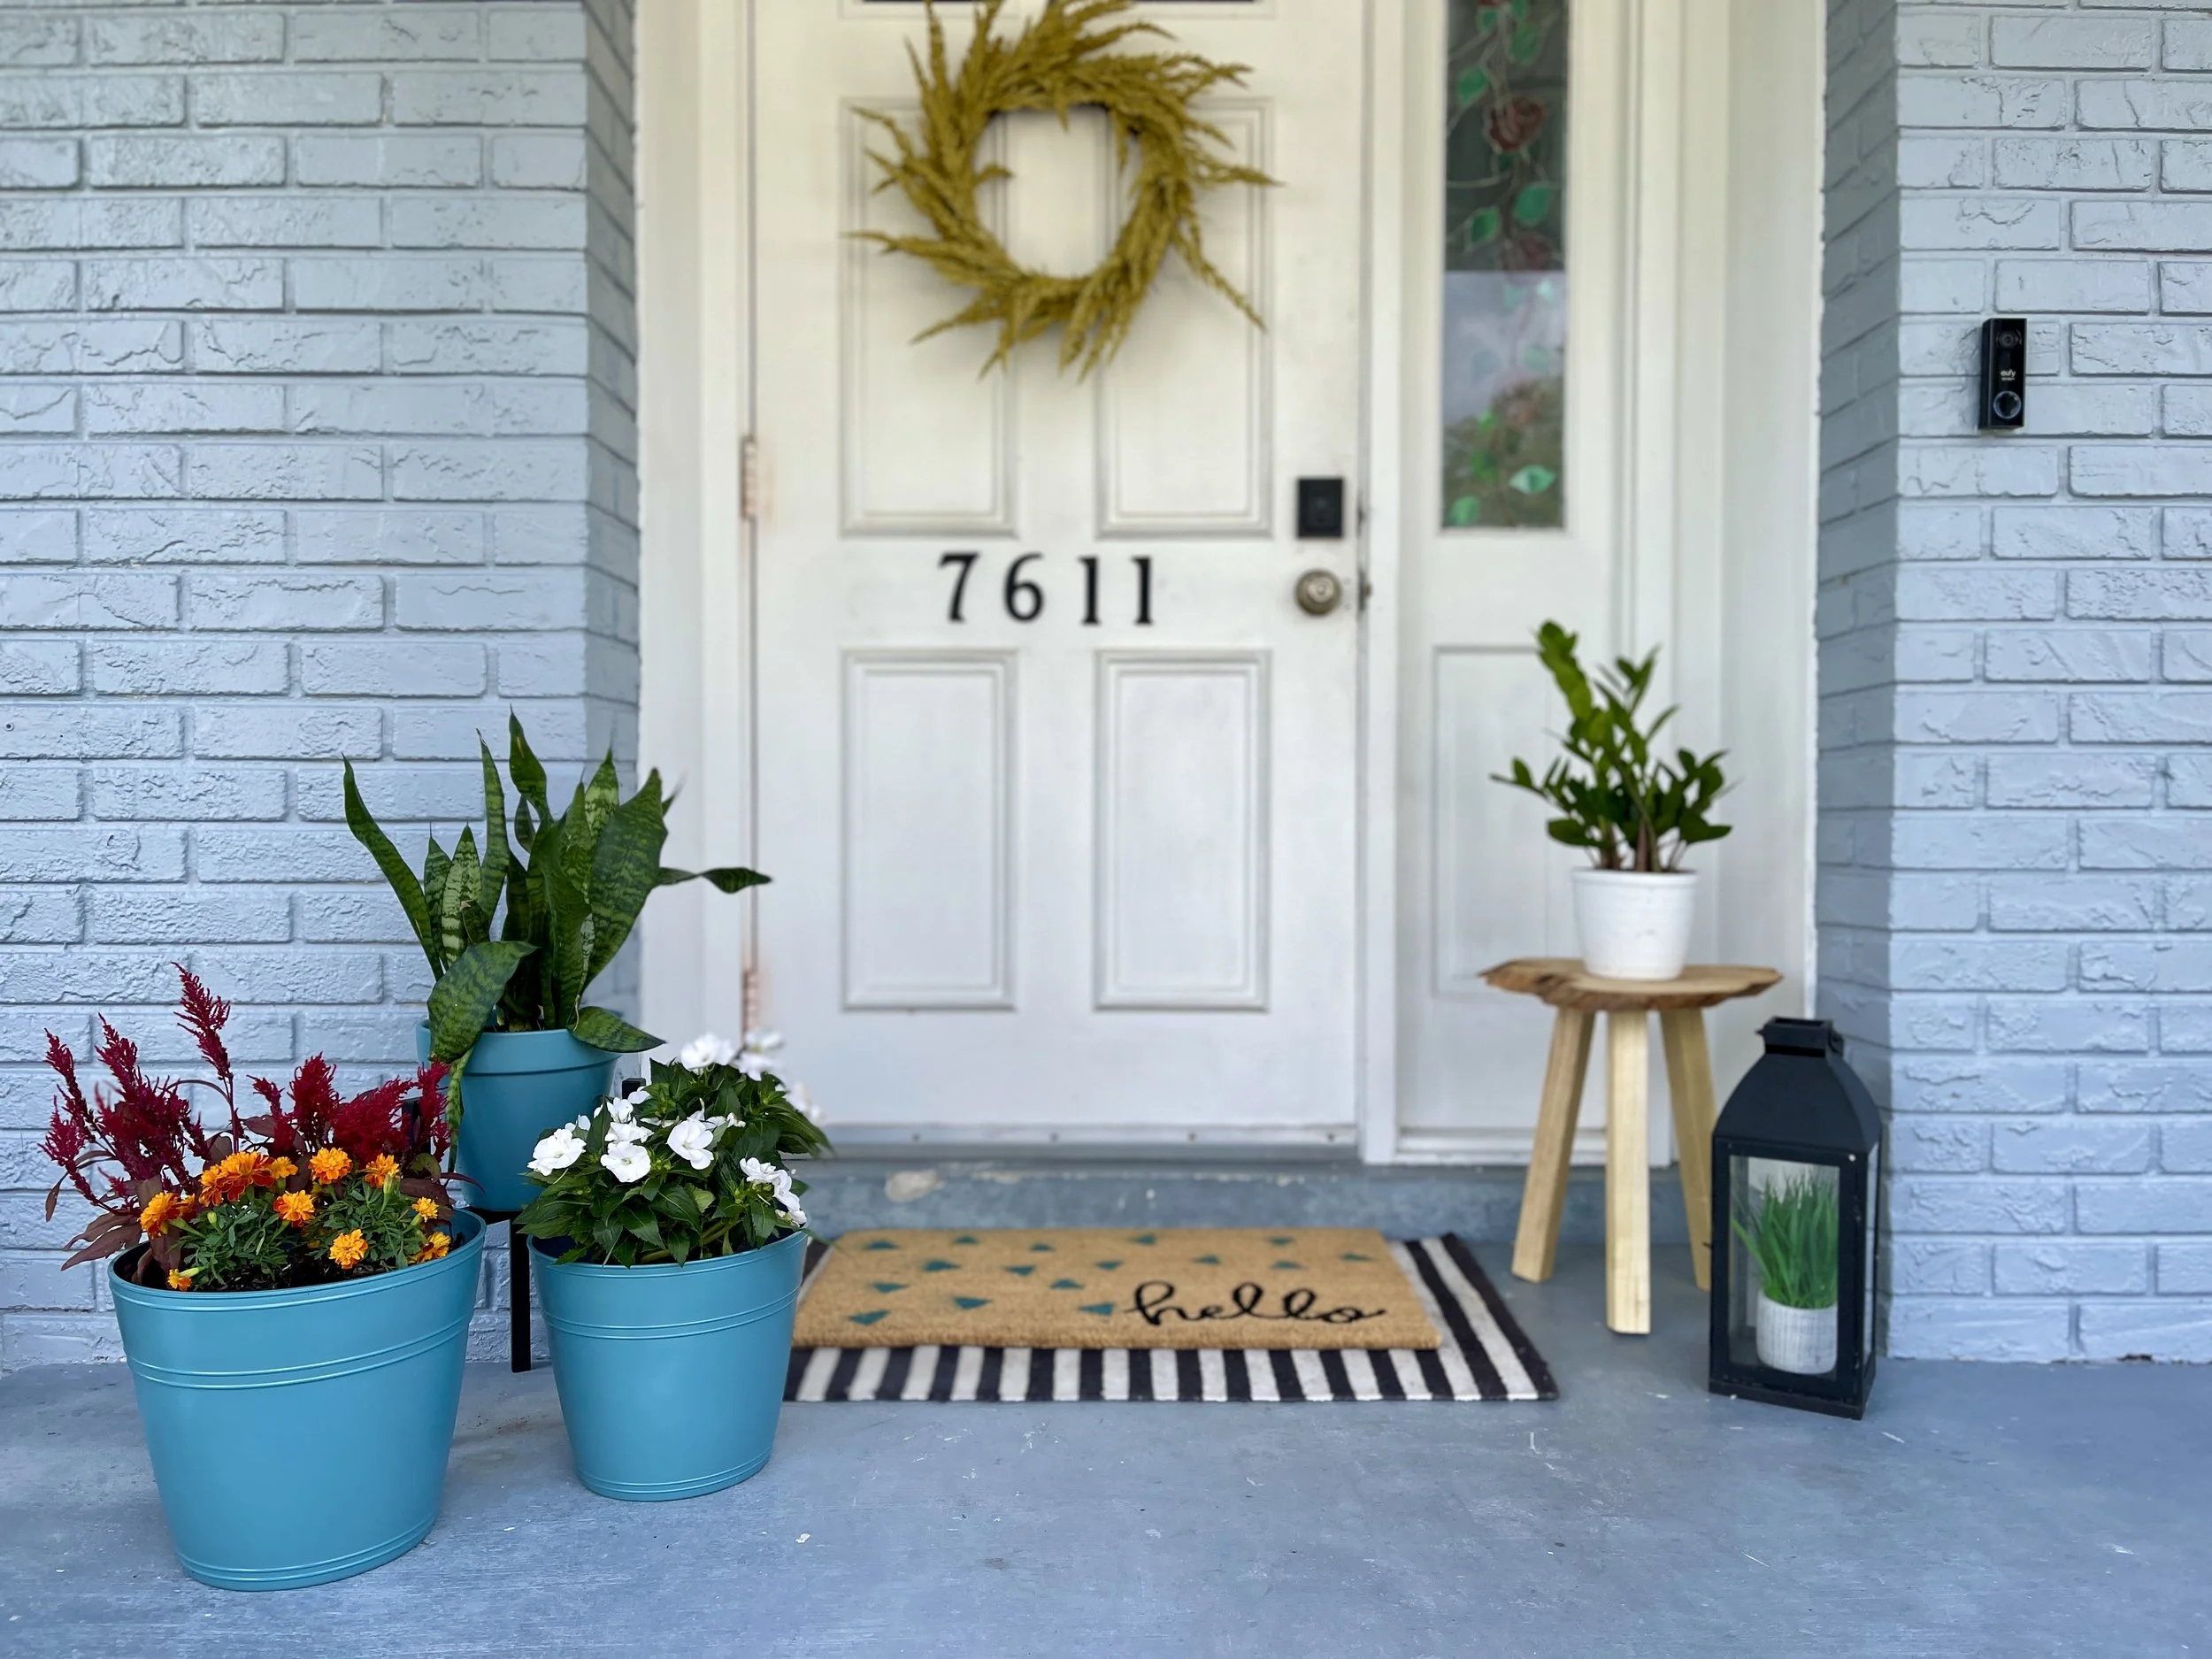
1796 1178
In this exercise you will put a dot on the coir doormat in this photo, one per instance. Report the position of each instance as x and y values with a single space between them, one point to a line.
1118 1333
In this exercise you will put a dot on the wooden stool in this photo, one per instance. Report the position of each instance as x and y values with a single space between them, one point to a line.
1680 1004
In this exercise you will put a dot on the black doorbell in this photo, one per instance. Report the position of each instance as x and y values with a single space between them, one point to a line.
1320 509
2004 392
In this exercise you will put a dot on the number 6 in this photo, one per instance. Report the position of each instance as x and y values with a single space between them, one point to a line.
1017 585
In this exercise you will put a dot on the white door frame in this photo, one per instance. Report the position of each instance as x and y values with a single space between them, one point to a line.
694 71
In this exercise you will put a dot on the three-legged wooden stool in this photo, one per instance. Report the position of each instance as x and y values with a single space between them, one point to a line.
1579 998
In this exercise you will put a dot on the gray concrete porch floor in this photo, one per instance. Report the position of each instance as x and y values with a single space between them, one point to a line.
1978 1510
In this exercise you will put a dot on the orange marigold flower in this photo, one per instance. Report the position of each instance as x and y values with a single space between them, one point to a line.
349 1248
330 1165
435 1247
180 1281
221 1182
160 1210
383 1170
426 1209
299 1208
283 1169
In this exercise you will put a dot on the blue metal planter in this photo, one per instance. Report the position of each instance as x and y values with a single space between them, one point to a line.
671 1377
516 1088
299 1436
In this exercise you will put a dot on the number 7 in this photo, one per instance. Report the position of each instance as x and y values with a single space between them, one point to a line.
966 562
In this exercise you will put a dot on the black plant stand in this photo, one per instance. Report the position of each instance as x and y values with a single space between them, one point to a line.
518 1288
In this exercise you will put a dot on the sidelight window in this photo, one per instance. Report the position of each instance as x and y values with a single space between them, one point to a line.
1505 264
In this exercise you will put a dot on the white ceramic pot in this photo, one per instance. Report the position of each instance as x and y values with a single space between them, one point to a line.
1800 1340
1634 925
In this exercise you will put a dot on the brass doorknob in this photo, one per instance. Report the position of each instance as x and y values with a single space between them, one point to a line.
1318 593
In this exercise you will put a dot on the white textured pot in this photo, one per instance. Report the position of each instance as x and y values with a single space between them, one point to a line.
1800 1340
1634 925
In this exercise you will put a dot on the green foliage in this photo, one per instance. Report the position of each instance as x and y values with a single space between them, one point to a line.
1792 1238
1617 797
656 1204
571 897
244 1245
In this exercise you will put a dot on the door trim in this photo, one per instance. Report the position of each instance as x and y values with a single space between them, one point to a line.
695 407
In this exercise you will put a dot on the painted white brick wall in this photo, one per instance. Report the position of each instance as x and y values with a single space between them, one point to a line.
2016 668
317 441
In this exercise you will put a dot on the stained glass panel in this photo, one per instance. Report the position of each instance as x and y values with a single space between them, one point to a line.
1505 264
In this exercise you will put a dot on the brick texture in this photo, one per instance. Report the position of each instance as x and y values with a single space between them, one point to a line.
317 441
2012 664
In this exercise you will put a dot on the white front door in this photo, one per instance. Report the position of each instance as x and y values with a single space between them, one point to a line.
1057 781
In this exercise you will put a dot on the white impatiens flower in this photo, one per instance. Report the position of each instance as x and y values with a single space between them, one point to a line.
752 1059
693 1140
626 1160
705 1050
557 1151
759 1174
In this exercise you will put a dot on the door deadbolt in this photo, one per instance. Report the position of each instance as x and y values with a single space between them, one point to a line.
1318 593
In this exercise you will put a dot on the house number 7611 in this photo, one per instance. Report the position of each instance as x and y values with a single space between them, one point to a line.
1024 596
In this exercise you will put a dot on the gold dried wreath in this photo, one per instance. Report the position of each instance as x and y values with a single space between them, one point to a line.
1062 60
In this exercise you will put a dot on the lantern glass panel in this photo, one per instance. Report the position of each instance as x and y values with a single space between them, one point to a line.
1786 1256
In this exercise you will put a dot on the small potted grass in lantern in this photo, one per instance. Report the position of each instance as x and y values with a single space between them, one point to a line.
1791 1238
669 1241
295 1278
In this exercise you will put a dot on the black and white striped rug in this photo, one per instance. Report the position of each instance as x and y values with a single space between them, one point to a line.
1485 1355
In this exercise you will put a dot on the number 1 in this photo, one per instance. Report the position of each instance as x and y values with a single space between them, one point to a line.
966 562
1090 591
1143 563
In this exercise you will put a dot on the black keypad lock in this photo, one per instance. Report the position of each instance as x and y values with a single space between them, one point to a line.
1320 509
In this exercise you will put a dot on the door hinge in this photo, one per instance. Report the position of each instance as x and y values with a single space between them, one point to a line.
749 999
748 478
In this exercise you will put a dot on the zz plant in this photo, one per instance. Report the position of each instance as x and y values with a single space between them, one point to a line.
572 895
1616 796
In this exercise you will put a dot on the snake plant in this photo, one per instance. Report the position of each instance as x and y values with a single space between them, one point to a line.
572 895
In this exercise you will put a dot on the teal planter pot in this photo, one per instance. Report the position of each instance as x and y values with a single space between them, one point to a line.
671 1377
357 1384
517 1087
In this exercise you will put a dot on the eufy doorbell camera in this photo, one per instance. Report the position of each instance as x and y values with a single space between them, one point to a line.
2004 392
